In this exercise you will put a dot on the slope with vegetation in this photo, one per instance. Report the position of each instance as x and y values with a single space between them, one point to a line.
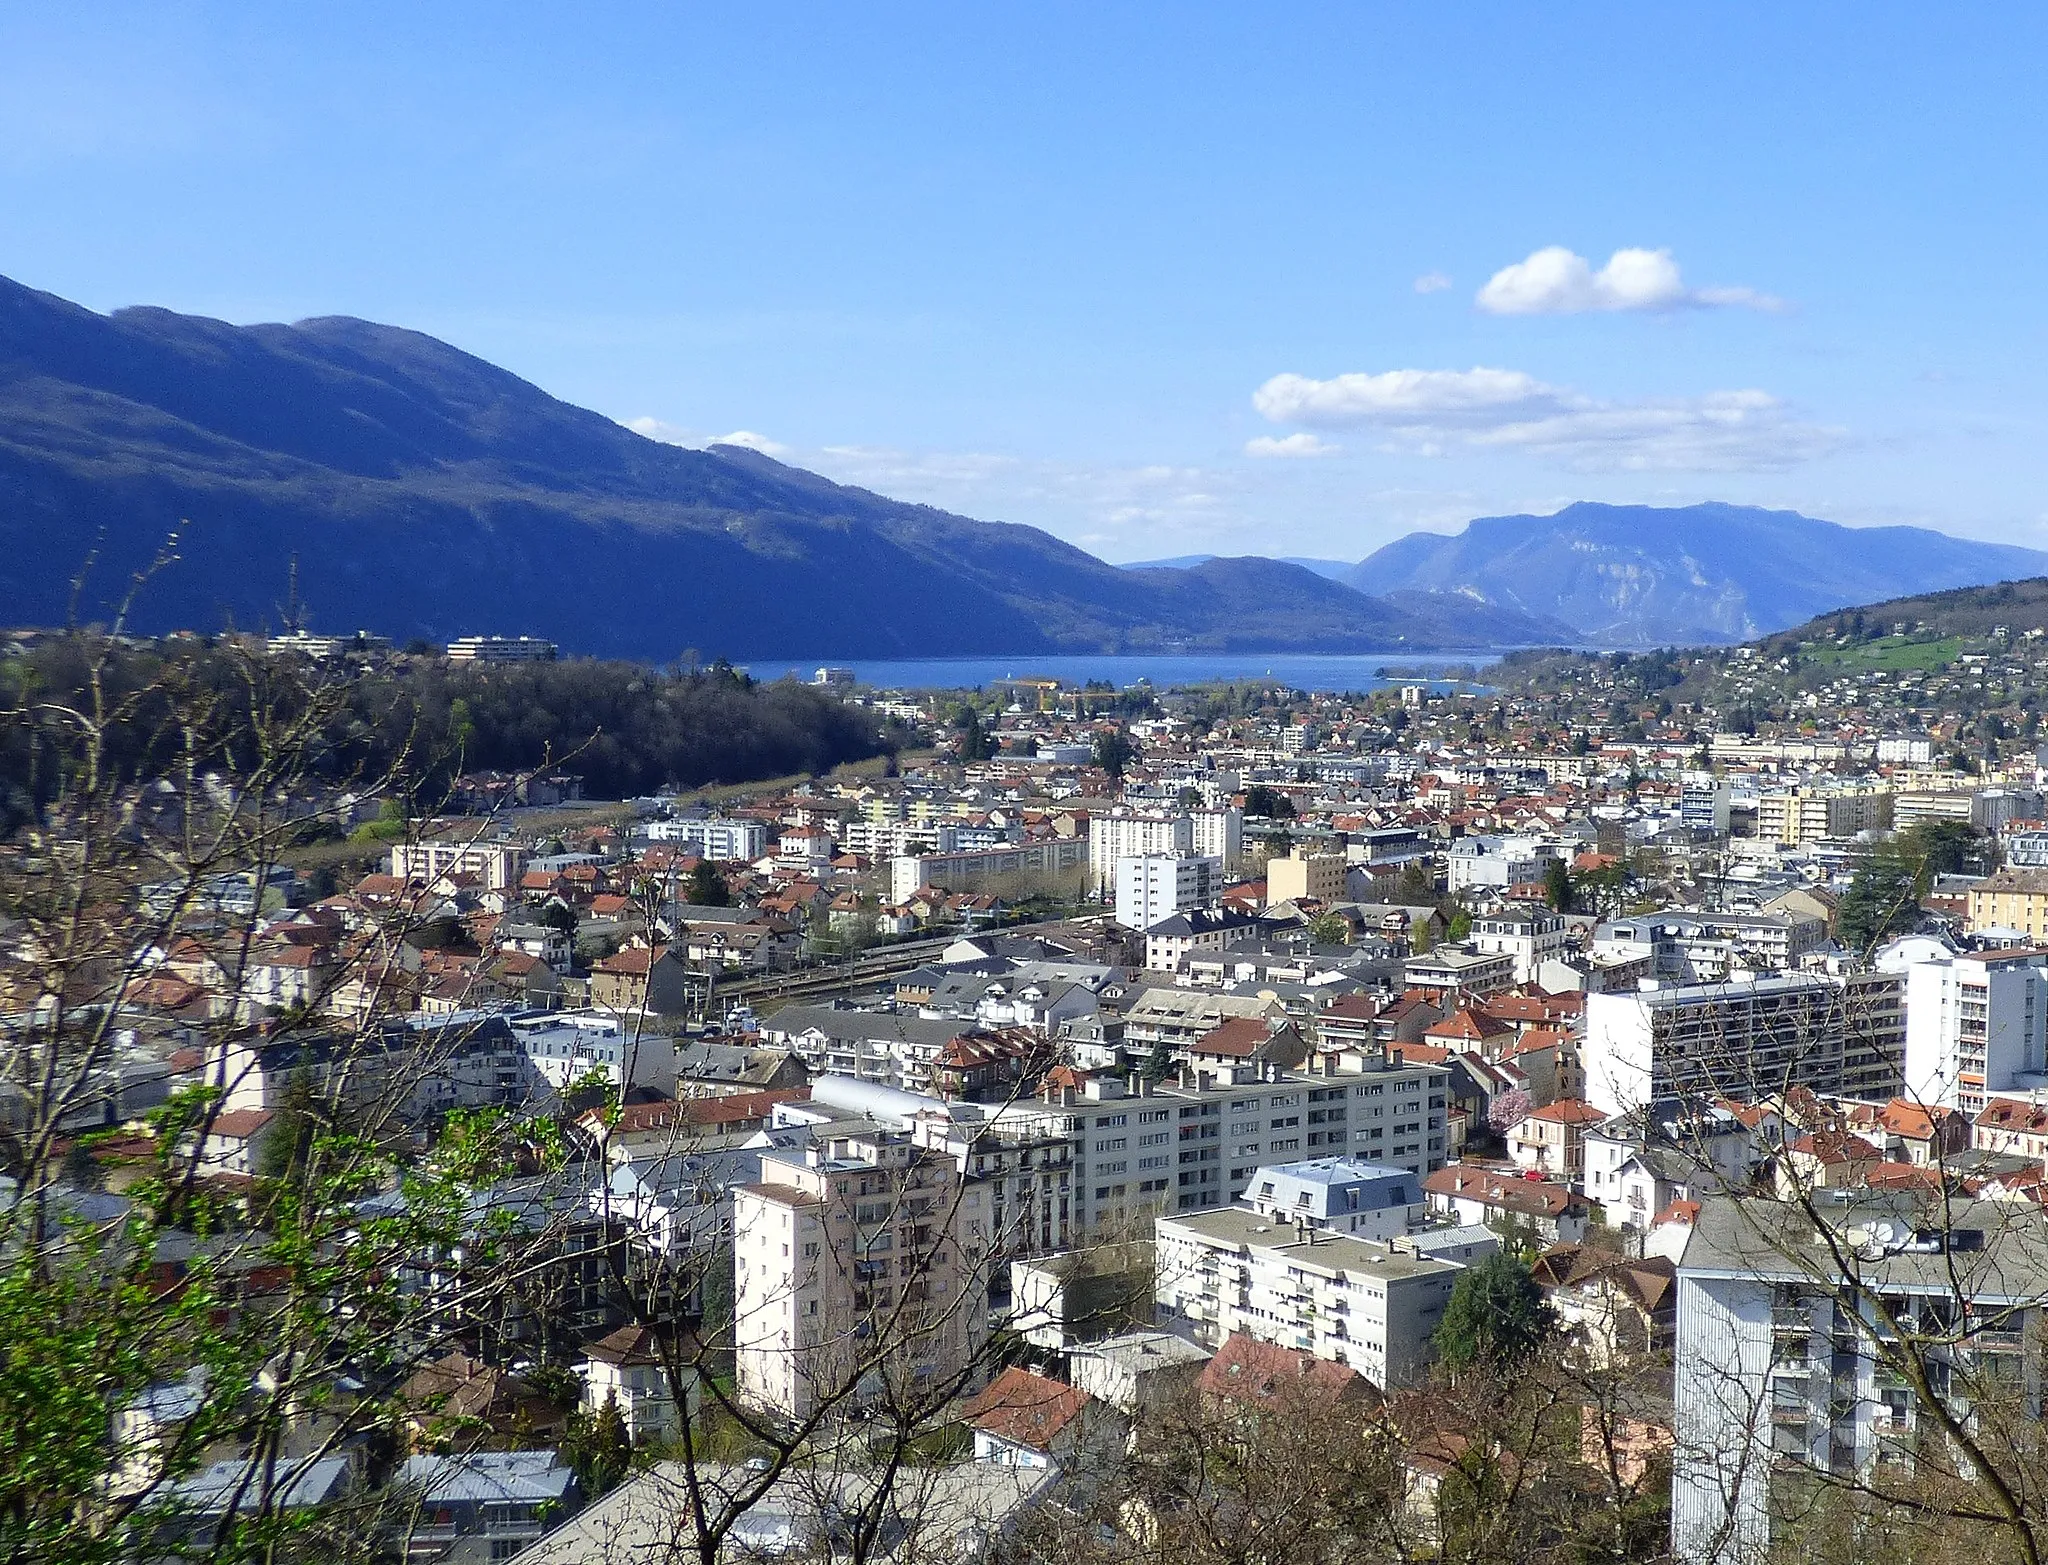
417 491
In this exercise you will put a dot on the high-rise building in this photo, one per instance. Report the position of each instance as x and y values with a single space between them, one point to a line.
1789 1377
1746 1039
1122 834
1976 1027
1155 886
861 1257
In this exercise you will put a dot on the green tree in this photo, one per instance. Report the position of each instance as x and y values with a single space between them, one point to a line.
975 744
1329 929
1114 751
1883 899
1557 885
1460 925
597 1448
1262 800
1496 1317
706 887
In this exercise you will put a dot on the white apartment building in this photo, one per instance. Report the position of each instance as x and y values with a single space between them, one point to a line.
1354 1301
714 837
1779 1366
567 1046
1976 1027
499 865
1532 937
1500 862
966 871
1746 1039
1693 946
1155 886
1195 1144
502 649
1122 834
860 1259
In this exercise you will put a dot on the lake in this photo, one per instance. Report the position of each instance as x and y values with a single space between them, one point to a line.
1300 671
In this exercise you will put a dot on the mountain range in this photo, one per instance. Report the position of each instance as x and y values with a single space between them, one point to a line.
414 490
1635 575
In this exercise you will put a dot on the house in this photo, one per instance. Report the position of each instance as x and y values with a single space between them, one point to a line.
234 1141
1263 1377
650 978
1616 1308
630 1369
1026 1420
1551 1140
459 1392
477 1507
196 1507
2011 1125
1480 1195
1250 1040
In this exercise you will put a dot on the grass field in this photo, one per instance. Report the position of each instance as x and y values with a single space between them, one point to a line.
1892 655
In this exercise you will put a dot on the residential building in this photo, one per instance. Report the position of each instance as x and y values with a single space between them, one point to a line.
1703 801
970 871
1798 816
564 1047
713 837
858 1257
1023 1419
1976 1027
1453 973
502 649
1532 936
1784 1369
1350 1301
1180 935
1695 947
2012 899
1843 1036
1196 1142
1483 1196
479 1507
497 865
629 1369
1552 1140
1301 874
1151 887
1340 1194
1119 834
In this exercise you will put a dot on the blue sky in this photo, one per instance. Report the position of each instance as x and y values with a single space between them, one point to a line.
1159 279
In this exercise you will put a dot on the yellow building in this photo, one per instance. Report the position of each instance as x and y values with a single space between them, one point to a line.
2012 899
1318 875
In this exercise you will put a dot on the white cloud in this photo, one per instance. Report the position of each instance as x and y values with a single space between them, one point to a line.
1299 444
1431 412
1432 282
1557 281
1400 394
675 435
752 441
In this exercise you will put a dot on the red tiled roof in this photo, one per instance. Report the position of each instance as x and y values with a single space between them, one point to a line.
1026 1409
1247 1369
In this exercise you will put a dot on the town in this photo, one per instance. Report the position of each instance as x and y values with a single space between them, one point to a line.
1586 1102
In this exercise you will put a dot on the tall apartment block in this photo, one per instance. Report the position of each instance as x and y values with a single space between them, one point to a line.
860 1259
